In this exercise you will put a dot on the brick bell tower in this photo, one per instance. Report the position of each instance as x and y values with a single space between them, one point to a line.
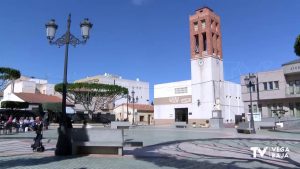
205 34
206 63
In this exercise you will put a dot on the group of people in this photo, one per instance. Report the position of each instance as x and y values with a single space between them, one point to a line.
22 124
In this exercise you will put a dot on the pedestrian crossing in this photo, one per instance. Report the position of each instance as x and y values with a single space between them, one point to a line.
9 147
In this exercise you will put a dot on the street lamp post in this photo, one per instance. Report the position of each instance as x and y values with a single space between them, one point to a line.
63 146
250 81
133 100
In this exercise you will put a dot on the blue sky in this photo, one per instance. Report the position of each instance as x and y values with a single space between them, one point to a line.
148 39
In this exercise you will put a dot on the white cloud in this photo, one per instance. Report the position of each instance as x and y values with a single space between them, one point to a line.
138 2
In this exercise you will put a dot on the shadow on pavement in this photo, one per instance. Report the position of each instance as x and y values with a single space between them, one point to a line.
193 160
27 161
283 131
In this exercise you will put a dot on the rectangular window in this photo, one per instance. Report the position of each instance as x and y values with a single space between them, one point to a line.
254 108
276 85
249 108
211 24
297 86
269 110
195 26
291 87
291 109
212 35
217 46
180 90
141 118
204 41
297 114
217 26
271 85
196 43
203 24
253 88
260 108
265 86
280 106
274 107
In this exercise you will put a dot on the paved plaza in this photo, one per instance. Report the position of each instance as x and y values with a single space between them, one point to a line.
164 147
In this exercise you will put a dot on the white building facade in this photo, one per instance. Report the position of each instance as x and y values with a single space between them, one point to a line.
140 88
193 101
27 85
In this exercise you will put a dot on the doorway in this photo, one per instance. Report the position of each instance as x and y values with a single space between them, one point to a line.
181 115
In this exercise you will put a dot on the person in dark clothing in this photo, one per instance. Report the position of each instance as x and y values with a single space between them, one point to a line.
38 128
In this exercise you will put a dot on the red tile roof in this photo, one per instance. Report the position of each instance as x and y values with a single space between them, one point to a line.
141 107
38 98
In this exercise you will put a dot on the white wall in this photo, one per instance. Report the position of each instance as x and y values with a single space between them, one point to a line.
140 88
168 89
232 103
207 76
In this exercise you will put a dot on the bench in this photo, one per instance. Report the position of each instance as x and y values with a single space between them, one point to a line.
267 125
244 128
97 141
180 124
120 125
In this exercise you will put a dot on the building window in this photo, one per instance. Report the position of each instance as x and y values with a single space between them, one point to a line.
269 110
297 114
203 24
141 118
291 87
265 86
196 43
196 26
211 24
291 109
274 107
297 86
260 108
276 85
181 90
217 26
280 106
249 108
204 41
252 88
255 108
271 85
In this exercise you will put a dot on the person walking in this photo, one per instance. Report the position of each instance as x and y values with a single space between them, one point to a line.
38 128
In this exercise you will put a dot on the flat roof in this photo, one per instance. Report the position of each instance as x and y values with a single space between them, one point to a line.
291 62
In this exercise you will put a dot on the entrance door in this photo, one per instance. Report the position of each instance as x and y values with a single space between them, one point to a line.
149 116
181 114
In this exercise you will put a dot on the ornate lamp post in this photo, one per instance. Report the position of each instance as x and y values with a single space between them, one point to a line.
133 100
250 81
63 146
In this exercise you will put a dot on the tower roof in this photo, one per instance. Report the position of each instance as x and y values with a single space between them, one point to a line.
204 7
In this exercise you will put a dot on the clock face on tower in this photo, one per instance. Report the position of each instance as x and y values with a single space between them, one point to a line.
200 62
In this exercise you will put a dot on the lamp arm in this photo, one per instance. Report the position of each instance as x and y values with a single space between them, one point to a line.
63 40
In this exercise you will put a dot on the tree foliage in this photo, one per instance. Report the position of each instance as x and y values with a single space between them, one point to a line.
14 105
53 107
297 46
93 96
7 75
